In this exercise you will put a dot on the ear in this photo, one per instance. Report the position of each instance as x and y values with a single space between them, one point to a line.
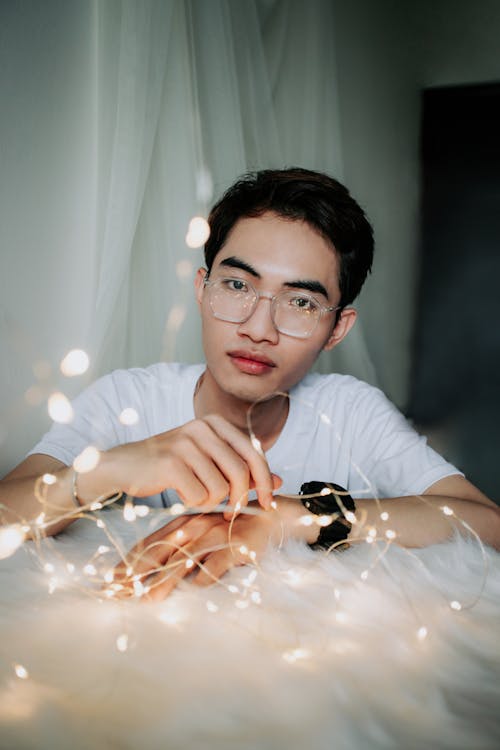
343 326
200 277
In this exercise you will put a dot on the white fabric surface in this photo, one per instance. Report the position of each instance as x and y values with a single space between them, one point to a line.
193 678
338 429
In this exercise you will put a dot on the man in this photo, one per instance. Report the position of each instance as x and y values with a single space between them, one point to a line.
288 252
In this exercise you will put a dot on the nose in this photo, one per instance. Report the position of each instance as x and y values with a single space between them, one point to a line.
260 326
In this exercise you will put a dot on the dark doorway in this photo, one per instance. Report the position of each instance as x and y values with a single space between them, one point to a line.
455 393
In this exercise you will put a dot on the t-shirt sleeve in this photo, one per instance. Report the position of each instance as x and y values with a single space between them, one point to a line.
395 460
95 422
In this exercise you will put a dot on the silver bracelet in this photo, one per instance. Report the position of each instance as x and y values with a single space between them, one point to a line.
74 491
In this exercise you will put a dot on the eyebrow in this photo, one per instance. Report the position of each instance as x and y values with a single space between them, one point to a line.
309 284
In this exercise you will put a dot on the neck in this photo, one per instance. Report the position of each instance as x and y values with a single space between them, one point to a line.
267 418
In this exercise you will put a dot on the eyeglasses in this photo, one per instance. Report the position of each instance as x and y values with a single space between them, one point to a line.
293 312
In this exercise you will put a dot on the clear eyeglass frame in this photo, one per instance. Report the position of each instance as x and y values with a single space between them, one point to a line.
308 322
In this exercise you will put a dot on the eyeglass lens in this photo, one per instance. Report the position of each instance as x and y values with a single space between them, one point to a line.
293 312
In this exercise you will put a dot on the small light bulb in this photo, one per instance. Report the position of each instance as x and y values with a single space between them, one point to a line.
306 520
49 479
390 534
122 642
422 633
11 538
189 564
257 444
129 512
384 515
455 605
447 511
21 671
323 520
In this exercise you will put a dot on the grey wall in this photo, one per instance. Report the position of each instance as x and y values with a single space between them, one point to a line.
387 51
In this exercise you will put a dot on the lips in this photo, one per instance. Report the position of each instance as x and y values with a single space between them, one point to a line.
251 363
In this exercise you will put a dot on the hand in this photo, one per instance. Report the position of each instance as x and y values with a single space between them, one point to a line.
163 559
205 461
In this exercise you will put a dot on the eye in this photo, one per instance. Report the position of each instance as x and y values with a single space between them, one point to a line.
303 303
235 285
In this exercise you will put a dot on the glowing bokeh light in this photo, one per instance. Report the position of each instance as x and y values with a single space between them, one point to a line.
60 409
76 362
122 642
11 538
198 232
129 416
183 269
21 671
87 460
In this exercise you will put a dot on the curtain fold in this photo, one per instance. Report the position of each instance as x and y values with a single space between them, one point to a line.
157 106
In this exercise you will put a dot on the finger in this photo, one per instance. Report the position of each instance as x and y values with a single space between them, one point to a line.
215 483
256 461
162 584
214 567
225 459
153 551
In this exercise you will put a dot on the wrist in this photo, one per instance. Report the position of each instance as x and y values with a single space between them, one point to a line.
99 483
292 521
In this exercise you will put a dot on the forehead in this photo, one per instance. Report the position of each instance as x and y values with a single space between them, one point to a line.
282 250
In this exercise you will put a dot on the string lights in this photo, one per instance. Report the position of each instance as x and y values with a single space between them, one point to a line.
97 576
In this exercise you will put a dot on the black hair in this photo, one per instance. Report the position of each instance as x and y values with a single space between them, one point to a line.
300 194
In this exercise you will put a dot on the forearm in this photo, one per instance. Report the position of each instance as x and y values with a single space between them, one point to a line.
421 521
41 498
409 521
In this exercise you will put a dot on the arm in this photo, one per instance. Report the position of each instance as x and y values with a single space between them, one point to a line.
209 542
204 461
420 521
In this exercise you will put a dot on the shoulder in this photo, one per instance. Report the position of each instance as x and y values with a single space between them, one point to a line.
340 388
159 375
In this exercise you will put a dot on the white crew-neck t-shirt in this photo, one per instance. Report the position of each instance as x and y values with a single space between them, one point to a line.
339 429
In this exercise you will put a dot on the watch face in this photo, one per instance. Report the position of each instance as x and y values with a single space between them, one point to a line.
326 497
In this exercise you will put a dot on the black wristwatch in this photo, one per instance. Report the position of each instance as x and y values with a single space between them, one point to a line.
329 499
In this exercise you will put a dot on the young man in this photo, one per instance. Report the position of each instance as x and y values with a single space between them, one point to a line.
288 252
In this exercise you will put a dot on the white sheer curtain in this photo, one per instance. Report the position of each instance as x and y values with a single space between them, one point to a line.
118 111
